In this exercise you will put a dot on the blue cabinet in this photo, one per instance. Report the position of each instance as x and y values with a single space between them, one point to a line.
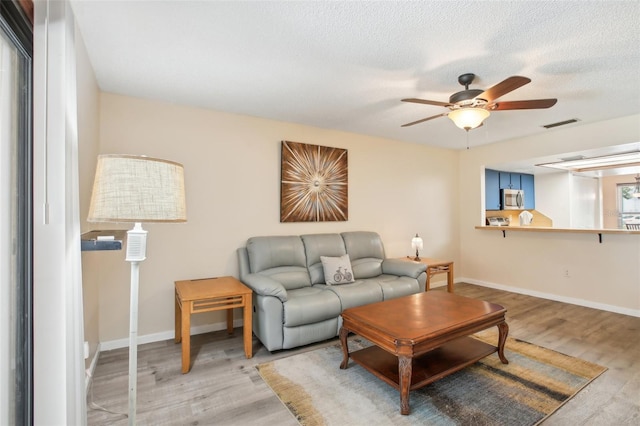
509 180
491 190
495 180
529 191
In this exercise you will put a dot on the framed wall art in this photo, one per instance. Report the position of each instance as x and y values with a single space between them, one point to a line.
314 183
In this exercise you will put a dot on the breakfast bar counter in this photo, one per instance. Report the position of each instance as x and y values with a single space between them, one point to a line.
598 232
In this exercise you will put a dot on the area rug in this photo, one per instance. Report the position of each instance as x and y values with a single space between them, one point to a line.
535 383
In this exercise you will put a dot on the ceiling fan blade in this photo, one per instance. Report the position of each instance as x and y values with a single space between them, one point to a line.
504 87
531 104
424 119
426 102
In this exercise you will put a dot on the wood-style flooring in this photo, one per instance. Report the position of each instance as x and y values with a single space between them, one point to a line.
224 388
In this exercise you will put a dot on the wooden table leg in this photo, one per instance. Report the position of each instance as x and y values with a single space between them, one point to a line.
345 348
428 284
247 326
186 336
178 320
503 331
450 278
230 321
404 371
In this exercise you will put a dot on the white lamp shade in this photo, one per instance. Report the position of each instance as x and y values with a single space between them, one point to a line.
468 118
416 243
130 188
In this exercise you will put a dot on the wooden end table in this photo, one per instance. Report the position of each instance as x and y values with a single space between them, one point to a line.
435 267
206 295
421 338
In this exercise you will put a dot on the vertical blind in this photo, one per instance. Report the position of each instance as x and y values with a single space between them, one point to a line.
16 331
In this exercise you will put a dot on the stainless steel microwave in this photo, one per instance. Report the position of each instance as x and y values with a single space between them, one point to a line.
512 199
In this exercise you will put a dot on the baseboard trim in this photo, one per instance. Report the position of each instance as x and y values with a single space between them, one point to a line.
166 335
555 297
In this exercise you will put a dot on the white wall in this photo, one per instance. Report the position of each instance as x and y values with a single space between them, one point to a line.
88 140
584 194
59 386
232 174
603 275
552 198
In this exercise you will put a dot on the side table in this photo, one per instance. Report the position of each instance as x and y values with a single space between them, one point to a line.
206 295
435 267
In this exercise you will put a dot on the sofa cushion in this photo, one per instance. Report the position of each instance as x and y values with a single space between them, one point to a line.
308 305
366 252
309 333
337 270
358 293
316 245
271 252
280 257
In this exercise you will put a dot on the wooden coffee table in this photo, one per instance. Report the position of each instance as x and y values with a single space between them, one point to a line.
421 338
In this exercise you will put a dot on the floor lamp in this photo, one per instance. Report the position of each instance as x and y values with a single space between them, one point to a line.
136 189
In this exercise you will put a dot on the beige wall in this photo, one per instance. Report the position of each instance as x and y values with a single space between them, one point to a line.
232 172
603 275
232 180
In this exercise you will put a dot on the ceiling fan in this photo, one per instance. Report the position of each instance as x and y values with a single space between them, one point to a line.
470 107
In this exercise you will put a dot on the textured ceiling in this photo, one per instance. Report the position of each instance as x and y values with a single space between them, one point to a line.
346 65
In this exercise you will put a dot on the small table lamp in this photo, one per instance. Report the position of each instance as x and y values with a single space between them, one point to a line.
136 189
416 244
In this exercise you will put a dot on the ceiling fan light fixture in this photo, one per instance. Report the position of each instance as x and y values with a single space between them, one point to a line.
470 107
468 118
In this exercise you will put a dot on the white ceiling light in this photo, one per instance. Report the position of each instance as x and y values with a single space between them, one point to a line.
468 118
626 159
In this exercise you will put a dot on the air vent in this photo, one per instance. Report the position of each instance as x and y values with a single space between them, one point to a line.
560 123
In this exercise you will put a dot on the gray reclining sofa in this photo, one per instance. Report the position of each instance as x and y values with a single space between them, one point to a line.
292 303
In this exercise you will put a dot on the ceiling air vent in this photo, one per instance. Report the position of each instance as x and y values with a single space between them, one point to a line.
560 123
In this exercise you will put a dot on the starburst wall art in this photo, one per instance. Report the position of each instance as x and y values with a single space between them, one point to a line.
314 183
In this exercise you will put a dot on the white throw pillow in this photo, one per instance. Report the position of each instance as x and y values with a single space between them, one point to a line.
337 270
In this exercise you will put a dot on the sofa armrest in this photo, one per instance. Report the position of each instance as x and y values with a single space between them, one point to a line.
265 286
402 267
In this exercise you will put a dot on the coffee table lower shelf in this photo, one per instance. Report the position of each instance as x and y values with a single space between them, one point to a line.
433 365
